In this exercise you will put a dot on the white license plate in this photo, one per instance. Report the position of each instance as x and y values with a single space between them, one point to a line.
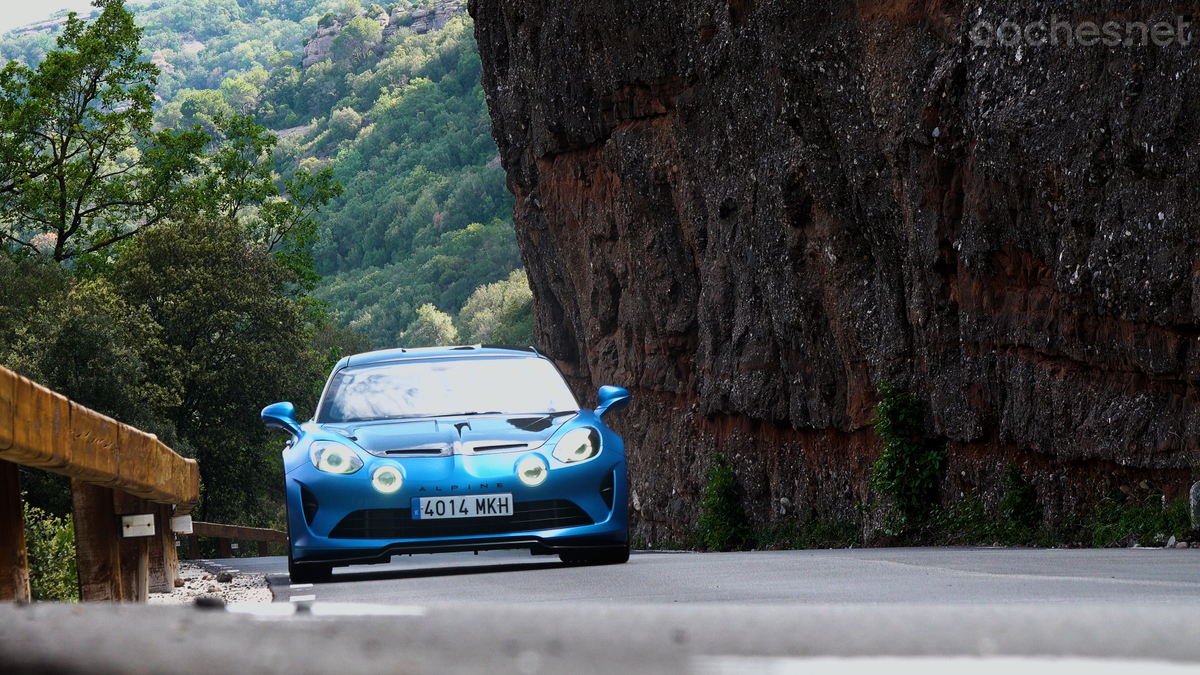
469 506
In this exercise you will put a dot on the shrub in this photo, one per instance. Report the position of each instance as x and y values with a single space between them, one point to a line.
1121 520
814 532
1019 503
50 543
910 468
723 525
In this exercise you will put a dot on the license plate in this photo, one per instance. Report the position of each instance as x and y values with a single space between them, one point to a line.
470 506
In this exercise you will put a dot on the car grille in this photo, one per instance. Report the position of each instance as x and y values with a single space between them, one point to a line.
398 523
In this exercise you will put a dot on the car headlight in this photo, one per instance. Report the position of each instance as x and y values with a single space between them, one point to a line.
333 457
577 445
532 470
386 479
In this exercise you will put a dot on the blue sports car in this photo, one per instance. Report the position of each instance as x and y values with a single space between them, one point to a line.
451 449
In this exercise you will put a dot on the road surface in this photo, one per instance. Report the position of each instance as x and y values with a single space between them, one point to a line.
899 575
926 611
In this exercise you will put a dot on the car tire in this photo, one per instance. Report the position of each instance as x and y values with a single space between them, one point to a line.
308 573
616 555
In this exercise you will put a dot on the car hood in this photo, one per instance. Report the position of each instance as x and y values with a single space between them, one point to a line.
457 434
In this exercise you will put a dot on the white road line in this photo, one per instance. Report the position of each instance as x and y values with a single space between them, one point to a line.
302 598
297 587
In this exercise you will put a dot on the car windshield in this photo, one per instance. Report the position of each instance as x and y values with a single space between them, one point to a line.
445 387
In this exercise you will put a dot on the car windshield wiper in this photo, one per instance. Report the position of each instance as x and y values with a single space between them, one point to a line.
550 416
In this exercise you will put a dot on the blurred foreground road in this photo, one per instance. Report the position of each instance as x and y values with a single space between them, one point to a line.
891 610
895 575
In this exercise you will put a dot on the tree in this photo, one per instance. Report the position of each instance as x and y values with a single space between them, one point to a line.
239 177
241 95
241 342
78 159
432 328
99 350
494 313
356 41
344 123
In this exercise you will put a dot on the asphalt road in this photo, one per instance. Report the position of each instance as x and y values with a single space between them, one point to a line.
945 576
924 611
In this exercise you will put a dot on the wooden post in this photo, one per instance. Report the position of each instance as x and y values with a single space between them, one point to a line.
263 551
225 550
162 552
135 551
97 543
170 552
14 562
193 547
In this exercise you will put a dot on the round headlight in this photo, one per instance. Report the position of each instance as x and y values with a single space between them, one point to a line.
333 457
386 479
577 445
532 470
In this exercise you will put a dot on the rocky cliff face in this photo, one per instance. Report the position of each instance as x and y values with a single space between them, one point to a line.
750 212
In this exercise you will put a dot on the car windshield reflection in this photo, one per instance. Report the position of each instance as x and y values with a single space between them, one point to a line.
445 388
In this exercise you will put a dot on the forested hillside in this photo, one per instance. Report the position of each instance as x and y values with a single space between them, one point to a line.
204 203
391 101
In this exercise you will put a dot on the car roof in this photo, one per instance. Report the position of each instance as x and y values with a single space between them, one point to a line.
465 351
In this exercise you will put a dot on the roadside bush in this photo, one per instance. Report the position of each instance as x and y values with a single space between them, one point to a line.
1122 520
910 468
723 525
1019 502
50 543
815 532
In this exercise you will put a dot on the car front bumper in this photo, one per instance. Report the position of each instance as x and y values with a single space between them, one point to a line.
354 524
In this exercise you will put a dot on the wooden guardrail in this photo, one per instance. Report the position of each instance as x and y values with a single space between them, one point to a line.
225 534
115 469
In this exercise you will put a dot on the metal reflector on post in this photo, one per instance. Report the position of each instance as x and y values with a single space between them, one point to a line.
137 525
181 524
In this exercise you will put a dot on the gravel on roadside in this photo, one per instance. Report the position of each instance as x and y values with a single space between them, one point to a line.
200 582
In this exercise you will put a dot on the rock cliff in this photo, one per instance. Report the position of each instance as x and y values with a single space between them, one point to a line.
751 212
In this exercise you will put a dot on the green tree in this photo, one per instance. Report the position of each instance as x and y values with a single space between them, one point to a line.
516 325
79 162
103 352
344 123
241 342
241 95
239 172
240 186
432 328
281 58
356 41
491 314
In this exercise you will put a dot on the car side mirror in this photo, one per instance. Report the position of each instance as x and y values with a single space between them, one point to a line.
281 416
611 398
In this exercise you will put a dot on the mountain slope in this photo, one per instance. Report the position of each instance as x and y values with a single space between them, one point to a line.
390 99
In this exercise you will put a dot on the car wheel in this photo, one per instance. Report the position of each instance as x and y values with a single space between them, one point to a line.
308 573
602 556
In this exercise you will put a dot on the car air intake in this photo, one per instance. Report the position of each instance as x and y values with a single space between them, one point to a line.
606 489
398 523
309 502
